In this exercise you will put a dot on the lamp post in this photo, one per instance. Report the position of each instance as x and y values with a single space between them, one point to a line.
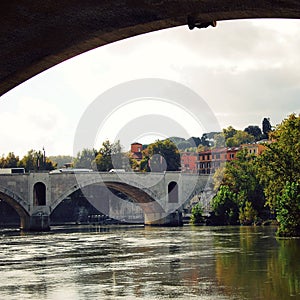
44 158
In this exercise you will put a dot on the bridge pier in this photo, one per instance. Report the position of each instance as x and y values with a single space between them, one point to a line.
37 222
158 219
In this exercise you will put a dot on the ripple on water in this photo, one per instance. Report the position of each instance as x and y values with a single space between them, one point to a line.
148 263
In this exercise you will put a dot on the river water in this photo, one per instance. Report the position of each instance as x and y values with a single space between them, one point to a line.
149 263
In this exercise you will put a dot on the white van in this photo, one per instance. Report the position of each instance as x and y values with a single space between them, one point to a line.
12 171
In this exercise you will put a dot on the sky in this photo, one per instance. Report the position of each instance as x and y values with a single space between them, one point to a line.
242 71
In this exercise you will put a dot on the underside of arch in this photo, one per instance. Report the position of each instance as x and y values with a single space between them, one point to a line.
24 216
139 196
146 202
35 37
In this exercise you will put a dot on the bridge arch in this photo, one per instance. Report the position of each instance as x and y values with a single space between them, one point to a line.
18 204
145 198
81 26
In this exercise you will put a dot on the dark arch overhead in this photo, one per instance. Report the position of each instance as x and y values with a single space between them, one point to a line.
36 35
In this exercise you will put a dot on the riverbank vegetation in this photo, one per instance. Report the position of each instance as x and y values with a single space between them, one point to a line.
252 189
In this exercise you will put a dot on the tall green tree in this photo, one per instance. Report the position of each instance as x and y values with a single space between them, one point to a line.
110 156
163 151
204 140
280 163
194 141
266 127
255 131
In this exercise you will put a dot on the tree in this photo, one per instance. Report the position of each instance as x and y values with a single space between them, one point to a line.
194 141
85 159
163 151
280 163
10 161
184 145
197 214
175 139
204 141
144 164
288 210
239 138
241 178
225 208
110 157
255 131
36 161
219 140
229 132
231 137
266 127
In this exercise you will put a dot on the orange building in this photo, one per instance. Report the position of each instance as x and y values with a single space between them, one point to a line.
136 151
256 149
210 160
189 162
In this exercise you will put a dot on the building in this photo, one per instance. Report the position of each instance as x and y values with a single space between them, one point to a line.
210 160
256 149
189 162
136 151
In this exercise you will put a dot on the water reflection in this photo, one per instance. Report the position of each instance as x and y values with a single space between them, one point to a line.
137 262
256 265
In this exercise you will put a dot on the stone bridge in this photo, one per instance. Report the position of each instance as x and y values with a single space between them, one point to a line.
160 195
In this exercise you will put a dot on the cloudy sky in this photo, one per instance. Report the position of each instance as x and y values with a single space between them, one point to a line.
243 70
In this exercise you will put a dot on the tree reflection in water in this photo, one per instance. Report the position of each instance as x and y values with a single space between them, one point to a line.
257 265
